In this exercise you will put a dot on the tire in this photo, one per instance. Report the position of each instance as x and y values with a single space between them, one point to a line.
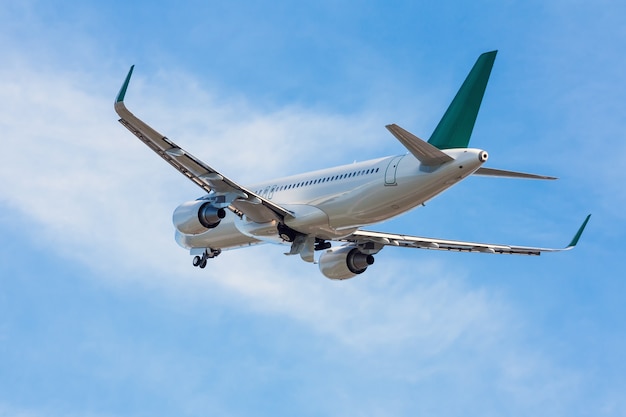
286 233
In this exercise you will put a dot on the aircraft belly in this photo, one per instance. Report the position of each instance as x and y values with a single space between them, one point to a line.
377 201
366 205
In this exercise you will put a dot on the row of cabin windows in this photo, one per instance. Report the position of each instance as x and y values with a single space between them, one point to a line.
322 180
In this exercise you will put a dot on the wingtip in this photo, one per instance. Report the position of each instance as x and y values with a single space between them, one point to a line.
579 233
122 93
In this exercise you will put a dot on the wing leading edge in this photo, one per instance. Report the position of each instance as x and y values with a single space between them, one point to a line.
363 237
229 192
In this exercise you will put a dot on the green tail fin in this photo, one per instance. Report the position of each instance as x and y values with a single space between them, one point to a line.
456 125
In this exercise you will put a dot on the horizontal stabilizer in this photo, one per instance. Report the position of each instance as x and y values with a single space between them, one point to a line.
426 153
490 172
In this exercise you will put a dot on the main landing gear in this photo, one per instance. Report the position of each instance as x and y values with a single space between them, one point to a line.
321 244
201 261
289 235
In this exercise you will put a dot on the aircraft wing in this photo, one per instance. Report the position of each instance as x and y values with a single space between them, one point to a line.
239 198
363 237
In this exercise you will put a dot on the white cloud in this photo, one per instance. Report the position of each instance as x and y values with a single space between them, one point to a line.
91 191
89 183
9 411
95 193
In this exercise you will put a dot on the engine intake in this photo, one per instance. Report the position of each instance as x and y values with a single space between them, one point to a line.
344 262
195 217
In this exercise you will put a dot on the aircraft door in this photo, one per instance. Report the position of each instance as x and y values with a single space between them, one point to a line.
390 173
271 192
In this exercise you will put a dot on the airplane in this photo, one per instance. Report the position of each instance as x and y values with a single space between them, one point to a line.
308 211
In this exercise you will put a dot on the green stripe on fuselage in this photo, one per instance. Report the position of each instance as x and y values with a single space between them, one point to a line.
456 125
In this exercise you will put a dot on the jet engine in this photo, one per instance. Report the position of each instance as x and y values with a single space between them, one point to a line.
195 217
344 262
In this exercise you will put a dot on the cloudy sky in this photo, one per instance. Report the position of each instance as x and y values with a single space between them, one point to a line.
102 314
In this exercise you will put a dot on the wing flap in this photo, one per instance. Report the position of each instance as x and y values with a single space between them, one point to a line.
392 239
193 168
419 242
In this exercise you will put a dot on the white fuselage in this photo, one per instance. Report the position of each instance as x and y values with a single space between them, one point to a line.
333 203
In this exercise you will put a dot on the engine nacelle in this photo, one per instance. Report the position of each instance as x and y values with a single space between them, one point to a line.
195 217
344 262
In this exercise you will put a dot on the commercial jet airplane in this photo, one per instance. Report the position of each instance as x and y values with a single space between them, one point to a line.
308 211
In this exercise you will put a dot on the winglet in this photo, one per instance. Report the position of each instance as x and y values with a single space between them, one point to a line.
579 233
456 125
122 93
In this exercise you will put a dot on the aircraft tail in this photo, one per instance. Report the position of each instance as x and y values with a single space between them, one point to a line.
456 125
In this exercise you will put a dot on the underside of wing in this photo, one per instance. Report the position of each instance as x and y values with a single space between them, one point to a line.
426 153
364 237
236 197
491 172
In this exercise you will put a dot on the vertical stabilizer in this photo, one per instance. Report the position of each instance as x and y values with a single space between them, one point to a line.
456 125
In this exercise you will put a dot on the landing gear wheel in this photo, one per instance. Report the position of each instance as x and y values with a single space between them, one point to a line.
286 233
321 244
201 261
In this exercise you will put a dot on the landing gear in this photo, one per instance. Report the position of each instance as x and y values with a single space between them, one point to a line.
321 244
201 261
287 234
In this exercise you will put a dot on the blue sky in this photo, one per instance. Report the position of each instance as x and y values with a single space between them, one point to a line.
101 314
